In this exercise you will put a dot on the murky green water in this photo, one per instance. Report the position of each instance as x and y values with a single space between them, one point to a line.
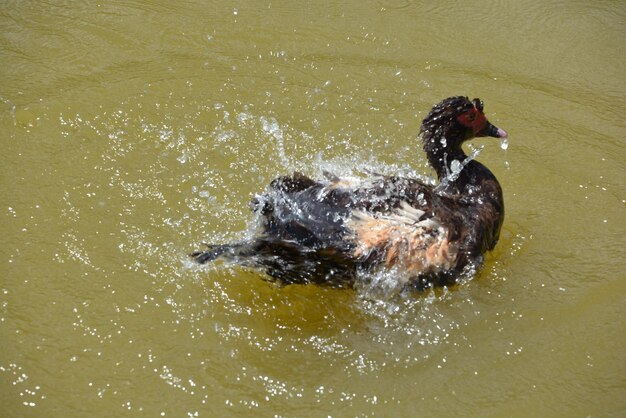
132 131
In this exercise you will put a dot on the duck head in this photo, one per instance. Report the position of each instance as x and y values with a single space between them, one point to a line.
450 123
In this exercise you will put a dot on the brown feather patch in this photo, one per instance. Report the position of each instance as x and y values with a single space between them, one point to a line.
402 240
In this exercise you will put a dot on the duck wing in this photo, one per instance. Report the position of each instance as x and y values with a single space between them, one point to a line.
402 223
391 221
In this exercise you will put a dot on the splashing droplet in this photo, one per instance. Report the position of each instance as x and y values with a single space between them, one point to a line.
455 167
504 143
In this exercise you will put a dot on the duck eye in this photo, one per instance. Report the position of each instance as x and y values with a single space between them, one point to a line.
471 116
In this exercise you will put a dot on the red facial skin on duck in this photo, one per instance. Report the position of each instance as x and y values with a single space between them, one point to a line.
474 119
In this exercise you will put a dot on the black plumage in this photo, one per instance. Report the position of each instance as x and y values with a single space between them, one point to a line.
332 230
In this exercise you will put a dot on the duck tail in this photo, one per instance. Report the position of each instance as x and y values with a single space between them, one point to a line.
215 251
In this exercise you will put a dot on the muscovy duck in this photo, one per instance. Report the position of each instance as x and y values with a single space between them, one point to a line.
331 231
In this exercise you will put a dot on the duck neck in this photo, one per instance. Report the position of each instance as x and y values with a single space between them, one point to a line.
442 147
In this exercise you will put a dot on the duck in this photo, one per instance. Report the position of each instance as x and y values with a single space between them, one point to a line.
334 231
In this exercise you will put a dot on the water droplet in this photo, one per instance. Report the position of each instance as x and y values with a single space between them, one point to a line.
455 166
504 143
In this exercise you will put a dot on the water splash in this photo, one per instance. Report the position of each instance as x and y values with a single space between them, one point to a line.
384 284
455 169
271 127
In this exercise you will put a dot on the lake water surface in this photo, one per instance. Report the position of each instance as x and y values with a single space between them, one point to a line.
131 131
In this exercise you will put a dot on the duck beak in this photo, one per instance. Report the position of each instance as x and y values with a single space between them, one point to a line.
492 130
